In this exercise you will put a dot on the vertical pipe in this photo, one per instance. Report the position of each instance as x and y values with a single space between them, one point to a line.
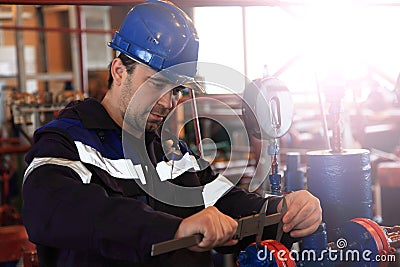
19 40
323 114
244 40
336 138
82 46
76 72
196 124
42 45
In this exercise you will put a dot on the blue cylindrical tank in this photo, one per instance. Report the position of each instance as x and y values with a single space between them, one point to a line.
342 182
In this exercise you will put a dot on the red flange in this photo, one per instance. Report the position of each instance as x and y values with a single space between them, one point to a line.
376 231
282 260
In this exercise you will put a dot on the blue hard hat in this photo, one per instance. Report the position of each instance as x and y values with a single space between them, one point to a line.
162 36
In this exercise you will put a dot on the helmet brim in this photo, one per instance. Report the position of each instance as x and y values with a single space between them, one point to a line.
174 77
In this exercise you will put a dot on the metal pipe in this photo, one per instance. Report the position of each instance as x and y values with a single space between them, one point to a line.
336 135
55 29
196 124
82 48
42 44
182 3
19 40
76 71
323 114
244 41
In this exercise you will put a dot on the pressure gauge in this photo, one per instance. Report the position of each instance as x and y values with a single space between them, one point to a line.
267 108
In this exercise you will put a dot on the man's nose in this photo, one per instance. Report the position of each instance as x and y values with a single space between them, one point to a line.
166 100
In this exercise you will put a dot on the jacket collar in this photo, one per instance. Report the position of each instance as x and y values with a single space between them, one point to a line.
92 114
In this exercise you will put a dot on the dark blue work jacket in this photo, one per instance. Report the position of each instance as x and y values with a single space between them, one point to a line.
81 207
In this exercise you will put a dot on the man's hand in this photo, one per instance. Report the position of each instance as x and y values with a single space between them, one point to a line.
304 214
217 229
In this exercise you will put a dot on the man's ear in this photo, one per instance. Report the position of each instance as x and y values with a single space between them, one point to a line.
117 70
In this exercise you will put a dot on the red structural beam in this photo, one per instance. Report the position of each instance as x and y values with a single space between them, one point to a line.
55 29
186 3
182 3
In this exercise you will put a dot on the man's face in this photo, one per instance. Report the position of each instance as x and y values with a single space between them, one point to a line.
146 99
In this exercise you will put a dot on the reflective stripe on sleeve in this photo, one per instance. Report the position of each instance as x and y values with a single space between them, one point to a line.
77 166
118 168
174 168
215 190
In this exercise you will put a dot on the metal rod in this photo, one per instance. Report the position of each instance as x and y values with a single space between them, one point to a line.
323 114
76 71
182 3
244 31
42 45
19 39
82 47
61 76
55 29
196 124
336 136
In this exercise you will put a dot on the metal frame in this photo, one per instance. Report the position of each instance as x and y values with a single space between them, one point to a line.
78 40
187 3
182 3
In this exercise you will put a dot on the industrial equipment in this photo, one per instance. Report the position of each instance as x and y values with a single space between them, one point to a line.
360 242
340 178
30 111
268 113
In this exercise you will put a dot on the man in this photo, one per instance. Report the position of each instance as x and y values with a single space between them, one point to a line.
84 201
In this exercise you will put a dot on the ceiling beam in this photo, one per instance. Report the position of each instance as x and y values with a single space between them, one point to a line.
182 3
192 3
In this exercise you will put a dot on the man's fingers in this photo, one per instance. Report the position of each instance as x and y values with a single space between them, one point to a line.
295 204
313 219
301 232
227 230
302 219
217 229
304 214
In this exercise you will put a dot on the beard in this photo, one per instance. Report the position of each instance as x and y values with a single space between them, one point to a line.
136 114
153 124
131 110
141 119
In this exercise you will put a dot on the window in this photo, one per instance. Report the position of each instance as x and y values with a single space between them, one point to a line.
304 43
